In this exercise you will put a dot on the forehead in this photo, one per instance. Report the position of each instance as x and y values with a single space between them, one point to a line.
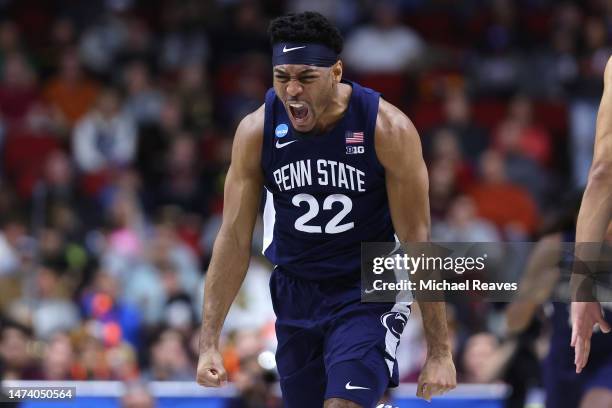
298 69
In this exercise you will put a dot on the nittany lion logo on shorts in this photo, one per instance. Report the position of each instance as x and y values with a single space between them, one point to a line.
394 322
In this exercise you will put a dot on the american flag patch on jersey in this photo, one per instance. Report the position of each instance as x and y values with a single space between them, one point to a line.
354 137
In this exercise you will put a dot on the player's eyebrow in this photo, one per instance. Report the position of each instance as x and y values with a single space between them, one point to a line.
280 71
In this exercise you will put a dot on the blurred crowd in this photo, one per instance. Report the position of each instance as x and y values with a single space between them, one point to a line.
116 124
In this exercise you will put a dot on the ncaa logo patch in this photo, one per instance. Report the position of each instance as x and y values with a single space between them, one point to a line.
281 130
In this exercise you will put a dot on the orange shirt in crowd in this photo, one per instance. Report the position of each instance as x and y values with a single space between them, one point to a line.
506 204
73 100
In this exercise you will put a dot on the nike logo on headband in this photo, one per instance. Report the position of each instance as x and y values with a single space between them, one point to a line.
285 49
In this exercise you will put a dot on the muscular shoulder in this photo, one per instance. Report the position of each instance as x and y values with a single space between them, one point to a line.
395 135
250 129
247 145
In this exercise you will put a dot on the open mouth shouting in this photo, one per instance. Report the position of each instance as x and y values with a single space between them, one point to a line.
300 114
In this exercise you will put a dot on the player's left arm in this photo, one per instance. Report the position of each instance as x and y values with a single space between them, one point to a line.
399 151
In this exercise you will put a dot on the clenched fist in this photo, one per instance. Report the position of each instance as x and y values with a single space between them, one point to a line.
437 377
211 372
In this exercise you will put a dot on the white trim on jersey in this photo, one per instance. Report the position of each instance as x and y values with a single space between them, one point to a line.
269 218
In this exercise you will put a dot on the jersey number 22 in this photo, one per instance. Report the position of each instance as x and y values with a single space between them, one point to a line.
334 225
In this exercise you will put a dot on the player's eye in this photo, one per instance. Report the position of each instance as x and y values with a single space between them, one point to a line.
281 78
308 79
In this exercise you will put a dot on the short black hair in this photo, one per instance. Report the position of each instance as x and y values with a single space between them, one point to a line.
7 324
307 27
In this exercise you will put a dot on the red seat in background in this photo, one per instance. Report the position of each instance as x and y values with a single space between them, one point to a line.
553 116
24 159
489 113
393 86
426 115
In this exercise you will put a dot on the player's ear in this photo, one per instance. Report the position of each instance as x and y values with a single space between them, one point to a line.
337 71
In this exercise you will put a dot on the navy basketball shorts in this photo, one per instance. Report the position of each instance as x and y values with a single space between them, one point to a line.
330 345
566 389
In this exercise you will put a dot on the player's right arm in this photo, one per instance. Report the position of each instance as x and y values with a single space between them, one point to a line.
232 249
593 219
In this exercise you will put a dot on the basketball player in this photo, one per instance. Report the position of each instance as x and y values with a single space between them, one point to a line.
339 166
593 219
564 387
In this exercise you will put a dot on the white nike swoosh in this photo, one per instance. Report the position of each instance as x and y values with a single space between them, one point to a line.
285 49
369 290
281 145
348 386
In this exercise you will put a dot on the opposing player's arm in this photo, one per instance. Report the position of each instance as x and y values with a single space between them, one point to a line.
399 150
232 249
537 284
593 219
596 208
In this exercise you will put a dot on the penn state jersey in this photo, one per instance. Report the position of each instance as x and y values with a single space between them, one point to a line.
325 193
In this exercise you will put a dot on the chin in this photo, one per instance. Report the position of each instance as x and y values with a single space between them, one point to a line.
303 127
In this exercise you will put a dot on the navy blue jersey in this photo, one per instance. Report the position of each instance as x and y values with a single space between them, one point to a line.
325 193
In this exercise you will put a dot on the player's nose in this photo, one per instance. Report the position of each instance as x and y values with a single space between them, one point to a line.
294 88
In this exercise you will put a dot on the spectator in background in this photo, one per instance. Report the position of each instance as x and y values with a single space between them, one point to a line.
155 139
15 352
145 285
182 184
443 188
391 47
507 205
19 257
246 34
252 309
248 90
100 42
476 360
179 311
196 96
18 90
95 360
497 69
472 138
344 13
167 248
70 92
521 166
9 257
463 225
446 148
49 308
137 396
125 239
169 358
114 320
62 37
10 40
105 137
57 198
183 45
255 386
137 44
58 358
91 362
534 141
143 102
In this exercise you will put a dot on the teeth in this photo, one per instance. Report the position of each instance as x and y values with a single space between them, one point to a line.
296 105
